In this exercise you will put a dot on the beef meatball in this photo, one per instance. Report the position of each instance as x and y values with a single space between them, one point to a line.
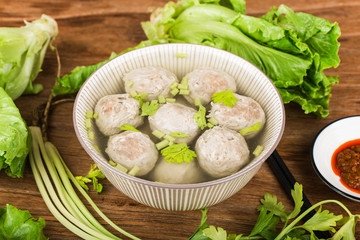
204 82
221 151
244 114
177 173
116 110
155 81
132 149
174 117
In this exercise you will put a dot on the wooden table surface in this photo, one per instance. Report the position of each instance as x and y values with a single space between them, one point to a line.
89 31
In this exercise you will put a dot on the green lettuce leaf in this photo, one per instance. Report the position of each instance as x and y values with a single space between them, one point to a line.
15 141
292 49
22 52
18 224
71 83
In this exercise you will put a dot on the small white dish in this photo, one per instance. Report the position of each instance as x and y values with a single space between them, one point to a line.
329 139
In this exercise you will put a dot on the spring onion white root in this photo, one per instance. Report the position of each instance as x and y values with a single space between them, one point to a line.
54 182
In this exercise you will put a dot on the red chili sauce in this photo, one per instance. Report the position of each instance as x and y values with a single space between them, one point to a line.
345 162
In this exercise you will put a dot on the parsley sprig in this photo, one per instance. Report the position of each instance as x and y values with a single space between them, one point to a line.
178 152
226 97
272 212
93 176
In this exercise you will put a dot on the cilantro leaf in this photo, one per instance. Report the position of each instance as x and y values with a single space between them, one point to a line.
149 108
198 234
265 222
297 195
226 97
93 176
179 153
128 127
215 234
347 231
20 224
200 117
321 221
270 204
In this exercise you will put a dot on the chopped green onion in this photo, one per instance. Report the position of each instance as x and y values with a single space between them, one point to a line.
170 100
197 102
162 99
96 147
181 55
200 118
141 96
89 114
129 84
154 101
185 81
95 115
91 135
210 125
253 128
133 93
169 138
134 171
213 121
128 127
183 86
179 134
121 168
158 134
88 124
184 92
112 163
162 144
258 150
174 85
174 91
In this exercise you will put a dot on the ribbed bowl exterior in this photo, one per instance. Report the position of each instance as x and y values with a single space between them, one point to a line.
250 82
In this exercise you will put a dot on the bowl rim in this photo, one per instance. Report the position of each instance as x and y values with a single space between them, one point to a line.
138 180
317 171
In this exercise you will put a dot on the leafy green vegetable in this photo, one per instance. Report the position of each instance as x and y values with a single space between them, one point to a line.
20 224
226 97
93 176
15 141
271 211
293 49
178 152
22 52
71 83
149 108
128 127
55 183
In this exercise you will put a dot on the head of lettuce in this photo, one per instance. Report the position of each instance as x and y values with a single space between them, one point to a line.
14 137
22 52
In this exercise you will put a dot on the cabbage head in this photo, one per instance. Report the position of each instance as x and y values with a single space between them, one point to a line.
22 52
15 140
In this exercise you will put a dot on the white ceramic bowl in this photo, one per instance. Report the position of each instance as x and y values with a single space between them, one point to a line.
250 82
330 138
